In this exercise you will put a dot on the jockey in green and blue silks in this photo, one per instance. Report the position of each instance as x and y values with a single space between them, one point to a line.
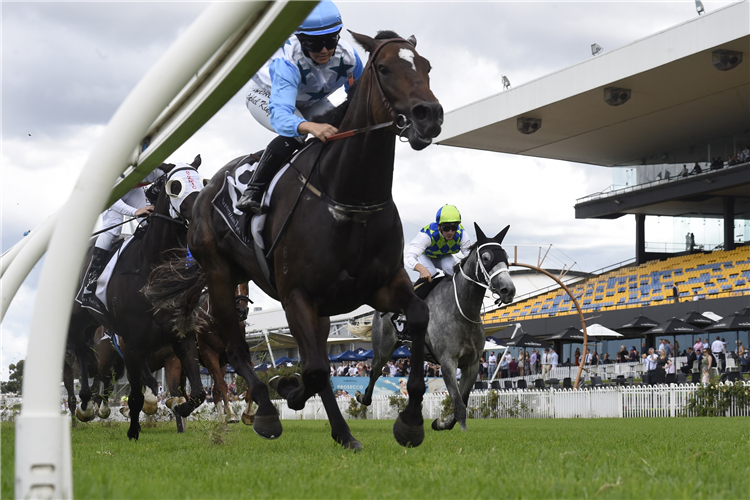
437 243
293 87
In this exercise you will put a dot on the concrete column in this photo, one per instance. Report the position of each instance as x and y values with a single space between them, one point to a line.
729 223
640 238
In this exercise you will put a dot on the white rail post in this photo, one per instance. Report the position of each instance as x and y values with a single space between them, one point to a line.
43 453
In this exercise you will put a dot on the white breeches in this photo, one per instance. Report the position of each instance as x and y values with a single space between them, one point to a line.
445 263
257 103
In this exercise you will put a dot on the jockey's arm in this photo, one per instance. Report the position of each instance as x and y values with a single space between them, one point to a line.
285 81
465 245
416 248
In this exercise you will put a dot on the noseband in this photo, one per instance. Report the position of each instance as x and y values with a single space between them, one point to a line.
487 277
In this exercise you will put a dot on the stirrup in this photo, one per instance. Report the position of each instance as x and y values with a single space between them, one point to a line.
248 203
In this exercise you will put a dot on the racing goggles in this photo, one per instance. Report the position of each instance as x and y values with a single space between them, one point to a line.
318 43
449 227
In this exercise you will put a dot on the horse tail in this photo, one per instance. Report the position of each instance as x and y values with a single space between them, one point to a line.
177 285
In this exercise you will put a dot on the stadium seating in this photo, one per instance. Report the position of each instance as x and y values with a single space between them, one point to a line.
707 275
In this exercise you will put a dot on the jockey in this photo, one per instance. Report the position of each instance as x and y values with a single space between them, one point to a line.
133 204
293 87
433 248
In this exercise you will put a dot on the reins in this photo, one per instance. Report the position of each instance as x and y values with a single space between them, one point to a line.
487 276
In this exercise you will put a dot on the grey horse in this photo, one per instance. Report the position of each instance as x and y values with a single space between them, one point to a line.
454 333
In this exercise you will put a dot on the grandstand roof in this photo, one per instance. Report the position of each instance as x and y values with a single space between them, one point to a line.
680 103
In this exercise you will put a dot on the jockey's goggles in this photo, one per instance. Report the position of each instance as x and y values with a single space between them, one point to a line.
318 43
449 227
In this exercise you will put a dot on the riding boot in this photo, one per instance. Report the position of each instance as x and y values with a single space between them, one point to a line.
273 157
99 259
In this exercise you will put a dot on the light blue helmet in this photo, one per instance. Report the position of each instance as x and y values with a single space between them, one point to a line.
325 19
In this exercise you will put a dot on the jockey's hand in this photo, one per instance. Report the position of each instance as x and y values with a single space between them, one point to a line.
320 130
145 211
423 272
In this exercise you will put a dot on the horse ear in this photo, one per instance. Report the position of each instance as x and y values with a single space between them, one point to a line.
501 235
365 41
196 163
166 167
481 238
412 40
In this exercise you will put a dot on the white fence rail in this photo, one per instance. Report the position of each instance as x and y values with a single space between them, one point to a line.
606 402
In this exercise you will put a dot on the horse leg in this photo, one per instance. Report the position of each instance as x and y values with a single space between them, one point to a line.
173 370
85 411
70 389
187 351
468 376
307 329
221 292
399 295
105 357
248 416
384 339
451 384
211 362
150 403
134 365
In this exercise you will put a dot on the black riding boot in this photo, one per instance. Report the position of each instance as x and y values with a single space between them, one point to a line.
99 259
273 157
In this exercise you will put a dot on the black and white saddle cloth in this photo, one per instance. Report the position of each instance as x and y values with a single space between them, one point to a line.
247 227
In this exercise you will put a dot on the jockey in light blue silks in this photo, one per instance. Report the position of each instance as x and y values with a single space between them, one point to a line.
436 244
293 87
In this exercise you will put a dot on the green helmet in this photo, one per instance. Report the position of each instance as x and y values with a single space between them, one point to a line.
448 213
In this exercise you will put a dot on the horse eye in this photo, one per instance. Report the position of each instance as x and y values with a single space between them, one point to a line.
382 69
175 188
486 257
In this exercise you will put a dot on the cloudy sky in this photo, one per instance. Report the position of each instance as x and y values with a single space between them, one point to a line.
66 67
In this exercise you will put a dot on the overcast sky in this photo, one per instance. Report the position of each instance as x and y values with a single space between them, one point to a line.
66 67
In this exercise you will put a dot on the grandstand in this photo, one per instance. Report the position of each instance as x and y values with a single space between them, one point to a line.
680 109
709 275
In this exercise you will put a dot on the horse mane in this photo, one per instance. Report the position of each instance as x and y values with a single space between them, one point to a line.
458 263
336 115
152 192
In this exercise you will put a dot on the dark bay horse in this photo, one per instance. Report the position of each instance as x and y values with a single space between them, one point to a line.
335 235
455 334
129 314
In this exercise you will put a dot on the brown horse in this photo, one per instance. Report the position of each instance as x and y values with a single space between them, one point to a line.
334 237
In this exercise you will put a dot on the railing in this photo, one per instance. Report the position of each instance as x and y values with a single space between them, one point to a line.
604 402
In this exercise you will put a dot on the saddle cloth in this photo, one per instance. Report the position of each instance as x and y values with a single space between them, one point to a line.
225 202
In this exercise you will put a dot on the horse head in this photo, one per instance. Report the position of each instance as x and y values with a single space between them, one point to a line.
402 84
492 264
181 187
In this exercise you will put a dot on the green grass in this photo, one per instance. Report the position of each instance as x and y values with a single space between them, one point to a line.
581 458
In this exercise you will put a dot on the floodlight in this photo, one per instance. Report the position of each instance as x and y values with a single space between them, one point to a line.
724 60
699 7
528 125
506 83
614 96
595 49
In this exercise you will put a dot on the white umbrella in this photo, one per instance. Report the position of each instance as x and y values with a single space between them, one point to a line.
491 346
597 330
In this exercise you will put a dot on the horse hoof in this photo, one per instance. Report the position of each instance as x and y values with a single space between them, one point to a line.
134 432
363 399
248 419
180 424
353 445
409 436
173 403
435 426
233 420
103 412
267 426
125 412
86 414
150 403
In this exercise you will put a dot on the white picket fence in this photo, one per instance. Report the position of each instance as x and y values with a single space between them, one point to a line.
605 402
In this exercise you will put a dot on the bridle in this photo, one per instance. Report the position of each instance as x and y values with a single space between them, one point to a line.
400 121
487 284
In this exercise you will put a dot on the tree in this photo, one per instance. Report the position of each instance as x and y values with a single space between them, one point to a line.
15 380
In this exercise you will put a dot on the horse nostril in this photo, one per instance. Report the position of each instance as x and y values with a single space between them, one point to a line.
421 113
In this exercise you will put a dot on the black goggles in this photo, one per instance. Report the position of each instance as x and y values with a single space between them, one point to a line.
317 44
449 227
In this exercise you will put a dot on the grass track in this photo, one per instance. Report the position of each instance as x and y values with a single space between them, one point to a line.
580 458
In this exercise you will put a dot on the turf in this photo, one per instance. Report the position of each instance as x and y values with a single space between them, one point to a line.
580 458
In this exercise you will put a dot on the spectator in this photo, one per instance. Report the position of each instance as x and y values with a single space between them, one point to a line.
740 349
706 364
675 294
691 358
745 362
684 172
587 359
717 349
521 363
644 349
668 348
622 354
633 356
553 358
667 175
546 364
533 360
661 367
492 360
649 360
594 359
483 367
577 356
606 360
513 367
696 169
504 365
